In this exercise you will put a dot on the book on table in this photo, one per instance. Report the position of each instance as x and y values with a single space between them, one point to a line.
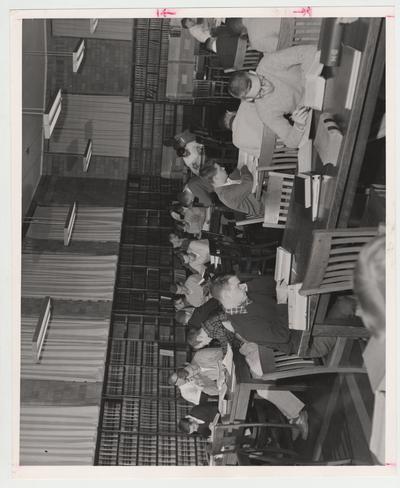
304 156
283 265
351 60
315 84
297 308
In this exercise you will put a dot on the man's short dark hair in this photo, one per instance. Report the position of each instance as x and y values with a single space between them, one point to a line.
173 288
181 151
239 84
218 284
185 198
191 337
183 22
184 425
209 171
181 317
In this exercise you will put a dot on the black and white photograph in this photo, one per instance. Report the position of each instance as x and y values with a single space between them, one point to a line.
203 239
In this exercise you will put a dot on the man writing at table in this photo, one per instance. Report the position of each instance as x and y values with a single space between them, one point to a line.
235 190
205 373
277 89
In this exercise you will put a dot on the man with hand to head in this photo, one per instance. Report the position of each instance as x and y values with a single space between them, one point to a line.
277 89
235 190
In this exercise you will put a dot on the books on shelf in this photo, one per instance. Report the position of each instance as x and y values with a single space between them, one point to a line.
283 265
330 41
297 308
328 139
315 84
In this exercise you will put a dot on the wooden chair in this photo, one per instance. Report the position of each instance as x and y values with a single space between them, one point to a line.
276 201
333 256
283 160
245 58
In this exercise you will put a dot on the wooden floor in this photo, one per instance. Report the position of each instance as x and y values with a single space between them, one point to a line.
347 433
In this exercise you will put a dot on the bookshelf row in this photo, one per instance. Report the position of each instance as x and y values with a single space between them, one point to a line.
140 410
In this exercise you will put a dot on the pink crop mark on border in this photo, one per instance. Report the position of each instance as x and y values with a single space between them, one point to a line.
304 11
391 464
164 12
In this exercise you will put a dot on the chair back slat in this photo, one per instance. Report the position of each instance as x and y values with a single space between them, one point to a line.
277 198
333 258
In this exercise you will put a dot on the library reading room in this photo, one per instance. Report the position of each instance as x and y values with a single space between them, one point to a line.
198 289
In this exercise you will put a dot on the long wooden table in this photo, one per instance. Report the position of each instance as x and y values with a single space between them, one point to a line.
367 35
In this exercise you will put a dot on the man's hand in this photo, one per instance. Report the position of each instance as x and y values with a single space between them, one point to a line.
299 117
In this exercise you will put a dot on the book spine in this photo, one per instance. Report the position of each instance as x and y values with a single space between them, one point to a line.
331 39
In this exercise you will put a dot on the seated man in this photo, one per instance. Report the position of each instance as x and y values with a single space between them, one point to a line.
199 419
216 328
246 127
257 317
197 255
193 290
234 191
277 89
205 373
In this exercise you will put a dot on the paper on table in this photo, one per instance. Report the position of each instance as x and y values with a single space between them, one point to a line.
245 159
297 308
191 392
304 157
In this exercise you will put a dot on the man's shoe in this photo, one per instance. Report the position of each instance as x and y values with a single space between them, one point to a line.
302 424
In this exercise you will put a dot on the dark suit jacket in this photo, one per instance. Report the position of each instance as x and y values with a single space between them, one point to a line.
203 312
266 321
207 413
226 46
